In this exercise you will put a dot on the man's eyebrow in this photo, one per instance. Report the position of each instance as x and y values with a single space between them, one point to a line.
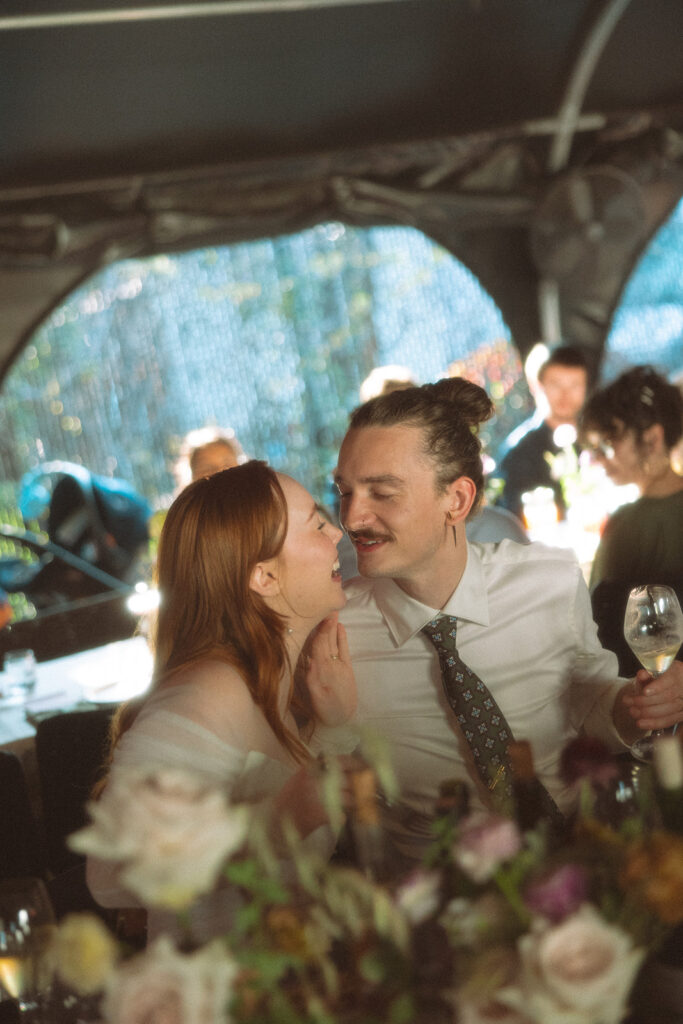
384 478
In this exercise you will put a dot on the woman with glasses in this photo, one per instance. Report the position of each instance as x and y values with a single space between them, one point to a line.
632 426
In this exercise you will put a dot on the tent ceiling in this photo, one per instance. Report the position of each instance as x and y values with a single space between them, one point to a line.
131 127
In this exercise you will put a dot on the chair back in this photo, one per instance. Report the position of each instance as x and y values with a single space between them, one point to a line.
70 750
21 849
609 600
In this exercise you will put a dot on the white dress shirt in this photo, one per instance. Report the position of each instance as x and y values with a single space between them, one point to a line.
525 627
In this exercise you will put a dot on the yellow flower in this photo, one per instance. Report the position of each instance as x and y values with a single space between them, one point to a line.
85 953
655 865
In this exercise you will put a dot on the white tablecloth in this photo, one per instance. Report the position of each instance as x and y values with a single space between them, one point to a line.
108 674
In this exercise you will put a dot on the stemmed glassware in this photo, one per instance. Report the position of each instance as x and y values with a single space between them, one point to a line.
653 629
26 927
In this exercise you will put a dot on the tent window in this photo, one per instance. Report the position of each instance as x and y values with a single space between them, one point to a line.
271 337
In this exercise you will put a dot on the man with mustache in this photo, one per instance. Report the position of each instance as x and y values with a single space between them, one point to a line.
409 476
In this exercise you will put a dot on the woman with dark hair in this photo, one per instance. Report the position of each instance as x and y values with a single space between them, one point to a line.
631 426
247 570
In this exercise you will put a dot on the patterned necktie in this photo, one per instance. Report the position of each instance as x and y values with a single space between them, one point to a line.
482 722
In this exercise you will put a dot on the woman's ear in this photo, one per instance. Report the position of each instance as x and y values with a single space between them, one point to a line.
264 579
653 438
461 495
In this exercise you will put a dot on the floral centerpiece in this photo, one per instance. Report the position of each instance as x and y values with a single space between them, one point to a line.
498 925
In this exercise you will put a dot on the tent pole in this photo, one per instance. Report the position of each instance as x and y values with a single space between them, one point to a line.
70 19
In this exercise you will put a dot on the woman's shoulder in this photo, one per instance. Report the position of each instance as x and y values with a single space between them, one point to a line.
208 690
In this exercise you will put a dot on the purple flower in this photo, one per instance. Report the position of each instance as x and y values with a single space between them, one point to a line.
558 893
588 758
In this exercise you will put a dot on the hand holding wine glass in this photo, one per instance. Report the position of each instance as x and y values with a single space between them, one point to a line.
653 629
26 926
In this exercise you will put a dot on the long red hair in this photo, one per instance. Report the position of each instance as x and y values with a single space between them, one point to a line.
214 534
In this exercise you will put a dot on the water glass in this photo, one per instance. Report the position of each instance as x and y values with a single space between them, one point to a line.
20 674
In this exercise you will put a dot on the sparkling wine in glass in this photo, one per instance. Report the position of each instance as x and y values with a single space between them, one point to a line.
653 629
26 927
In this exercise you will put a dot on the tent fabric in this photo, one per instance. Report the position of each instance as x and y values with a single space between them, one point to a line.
132 136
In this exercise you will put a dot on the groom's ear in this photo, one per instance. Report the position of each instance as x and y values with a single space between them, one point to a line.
264 579
461 494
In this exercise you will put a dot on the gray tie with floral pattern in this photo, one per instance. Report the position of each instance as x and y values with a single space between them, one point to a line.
482 722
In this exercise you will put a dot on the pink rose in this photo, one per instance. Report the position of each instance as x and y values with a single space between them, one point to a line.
485 841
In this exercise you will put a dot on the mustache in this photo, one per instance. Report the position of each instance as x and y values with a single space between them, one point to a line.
367 535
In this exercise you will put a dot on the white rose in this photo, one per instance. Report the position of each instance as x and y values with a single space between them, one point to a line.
169 830
579 972
418 895
162 986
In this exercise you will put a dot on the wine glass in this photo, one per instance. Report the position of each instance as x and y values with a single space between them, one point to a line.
27 923
653 629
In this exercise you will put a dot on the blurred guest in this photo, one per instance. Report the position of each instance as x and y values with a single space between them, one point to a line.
247 570
677 454
562 379
206 451
532 364
631 427
384 379
5 609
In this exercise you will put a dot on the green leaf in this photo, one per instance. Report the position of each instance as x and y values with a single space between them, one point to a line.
402 1009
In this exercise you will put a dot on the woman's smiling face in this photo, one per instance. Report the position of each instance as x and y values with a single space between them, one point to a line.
308 565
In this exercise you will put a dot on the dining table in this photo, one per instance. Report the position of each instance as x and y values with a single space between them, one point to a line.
108 674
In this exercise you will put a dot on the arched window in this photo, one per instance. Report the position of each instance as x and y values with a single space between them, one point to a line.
272 338
647 326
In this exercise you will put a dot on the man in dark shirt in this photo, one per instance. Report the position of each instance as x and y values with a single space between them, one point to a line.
562 378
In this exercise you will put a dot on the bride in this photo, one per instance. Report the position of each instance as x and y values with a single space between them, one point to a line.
247 571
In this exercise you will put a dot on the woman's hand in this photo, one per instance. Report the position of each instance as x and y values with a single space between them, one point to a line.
656 703
302 800
329 675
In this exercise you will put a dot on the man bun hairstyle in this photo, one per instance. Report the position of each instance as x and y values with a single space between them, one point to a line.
449 412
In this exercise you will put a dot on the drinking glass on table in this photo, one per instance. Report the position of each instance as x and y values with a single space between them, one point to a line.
27 925
653 629
20 674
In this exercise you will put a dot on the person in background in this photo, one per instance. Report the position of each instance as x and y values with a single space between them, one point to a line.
563 380
6 612
409 477
631 427
247 571
384 379
535 358
677 453
206 451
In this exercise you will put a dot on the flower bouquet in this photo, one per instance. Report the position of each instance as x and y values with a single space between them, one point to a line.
498 925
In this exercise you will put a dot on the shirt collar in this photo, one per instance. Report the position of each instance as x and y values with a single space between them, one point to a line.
405 616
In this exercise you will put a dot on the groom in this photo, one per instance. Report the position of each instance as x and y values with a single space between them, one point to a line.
523 643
